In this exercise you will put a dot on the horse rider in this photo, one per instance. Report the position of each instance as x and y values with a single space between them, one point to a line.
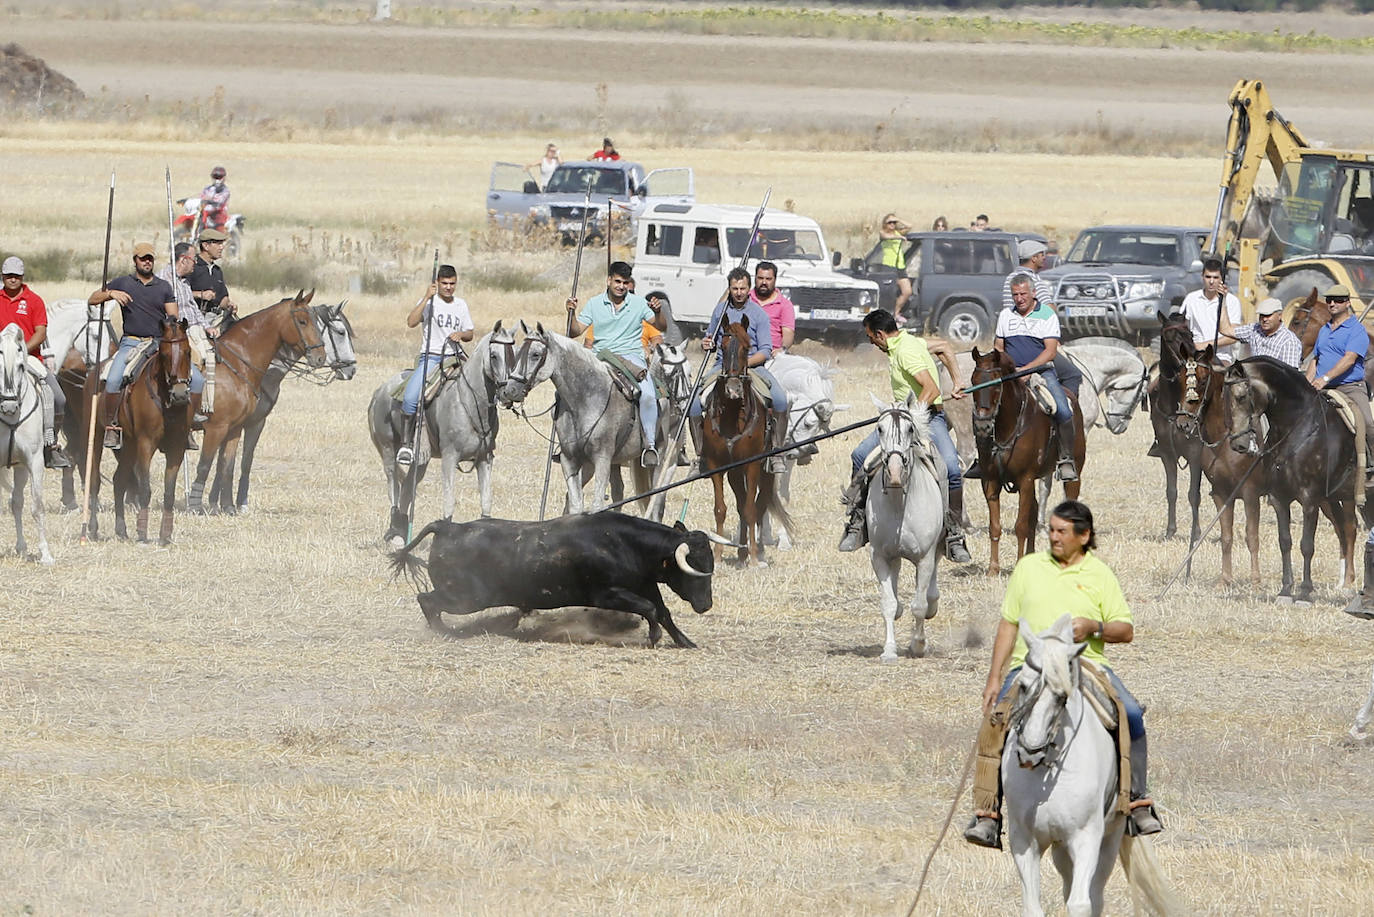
1068 577
144 301
450 324
1029 334
911 369
782 315
1341 347
25 308
1267 336
735 307
214 200
618 315
207 278
1200 306
199 331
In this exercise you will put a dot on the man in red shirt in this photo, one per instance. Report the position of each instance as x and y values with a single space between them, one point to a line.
607 150
25 308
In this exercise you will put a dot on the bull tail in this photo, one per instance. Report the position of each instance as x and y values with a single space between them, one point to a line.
770 501
404 563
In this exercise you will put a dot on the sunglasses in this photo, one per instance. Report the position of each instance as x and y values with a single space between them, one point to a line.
150 258
1337 299
890 223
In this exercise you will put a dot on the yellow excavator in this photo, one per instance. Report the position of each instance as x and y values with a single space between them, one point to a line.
1314 230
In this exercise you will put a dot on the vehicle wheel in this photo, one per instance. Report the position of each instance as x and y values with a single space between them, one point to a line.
964 323
1294 289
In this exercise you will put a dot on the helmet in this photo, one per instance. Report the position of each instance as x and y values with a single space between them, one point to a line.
217 172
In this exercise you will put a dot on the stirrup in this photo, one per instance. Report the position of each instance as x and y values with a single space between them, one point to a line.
405 455
956 551
114 438
1066 471
984 831
855 535
191 444
775 464
648 458
1143 819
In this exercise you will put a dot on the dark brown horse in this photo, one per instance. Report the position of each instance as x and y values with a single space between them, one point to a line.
155 414
1017 445
1309 456
1173 444
735 421
1204 414
244 354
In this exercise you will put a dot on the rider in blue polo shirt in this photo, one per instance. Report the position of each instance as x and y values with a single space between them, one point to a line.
1341 347
730 310
1029 334
618 316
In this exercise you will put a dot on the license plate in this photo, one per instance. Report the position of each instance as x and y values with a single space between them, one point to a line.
1085 311
832 314
569 225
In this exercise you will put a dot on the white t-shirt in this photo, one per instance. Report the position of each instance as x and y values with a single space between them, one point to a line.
546 167
445 318
1202 318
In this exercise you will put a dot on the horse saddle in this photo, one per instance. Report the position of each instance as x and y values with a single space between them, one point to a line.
36 367
1041 393
142 351
1102 698
449 368
626 376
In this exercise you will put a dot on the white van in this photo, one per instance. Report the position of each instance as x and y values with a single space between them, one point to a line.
684 251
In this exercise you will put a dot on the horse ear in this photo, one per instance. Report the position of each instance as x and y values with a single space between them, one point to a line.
309 296
1027 634
880 405
1209 354
744 322
539 328
976 354
1063 628
1078 649
911 400
497 327
841 407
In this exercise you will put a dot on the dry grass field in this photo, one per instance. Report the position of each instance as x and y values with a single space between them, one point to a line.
255 720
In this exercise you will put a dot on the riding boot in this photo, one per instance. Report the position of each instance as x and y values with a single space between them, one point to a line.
777 464
856 528
697 427
197 423
985 830
973 472
1067 471
1142 819
406 454
54 457
955 549
113 435
1362 605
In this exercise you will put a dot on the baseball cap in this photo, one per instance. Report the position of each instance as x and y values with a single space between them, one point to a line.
1268 306
1339 289
212 235
1029 248
144 248
12 265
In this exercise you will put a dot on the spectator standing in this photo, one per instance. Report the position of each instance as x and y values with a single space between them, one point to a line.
547 164
892 241
607 150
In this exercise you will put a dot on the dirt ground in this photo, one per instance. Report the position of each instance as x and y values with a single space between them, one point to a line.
255 720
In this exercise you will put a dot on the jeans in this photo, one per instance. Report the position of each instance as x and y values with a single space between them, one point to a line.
648 401
1135 714
410 399
778 393
121 358
939 435
1063 411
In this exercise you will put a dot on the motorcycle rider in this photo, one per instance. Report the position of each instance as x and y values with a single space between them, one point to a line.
214 200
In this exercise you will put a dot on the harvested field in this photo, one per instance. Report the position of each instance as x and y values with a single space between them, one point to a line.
256 720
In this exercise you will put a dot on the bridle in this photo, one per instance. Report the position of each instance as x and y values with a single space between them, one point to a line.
518 361
734 374
1123 416
13 383
178 388
897 414
1235 376
1038 753
306 349
985 418
1189 422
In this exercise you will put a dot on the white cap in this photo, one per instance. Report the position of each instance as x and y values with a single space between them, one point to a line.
1029 248
12 265
1268 306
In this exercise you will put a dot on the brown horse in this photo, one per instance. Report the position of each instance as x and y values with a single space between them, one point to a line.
734 427
1307 320
244 354
155 414
1204 415
1173 444
1017 445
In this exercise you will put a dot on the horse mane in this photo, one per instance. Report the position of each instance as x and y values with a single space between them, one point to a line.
1055 664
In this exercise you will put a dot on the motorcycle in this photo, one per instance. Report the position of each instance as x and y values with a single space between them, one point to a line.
191 222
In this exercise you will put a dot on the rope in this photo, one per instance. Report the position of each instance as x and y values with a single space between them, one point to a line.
949 817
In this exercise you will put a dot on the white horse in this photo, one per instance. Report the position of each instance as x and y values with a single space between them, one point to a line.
906 507
811 405
21 437
461 425
1059 780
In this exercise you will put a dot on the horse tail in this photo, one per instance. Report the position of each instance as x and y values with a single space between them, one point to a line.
414 569
1146 878
770 501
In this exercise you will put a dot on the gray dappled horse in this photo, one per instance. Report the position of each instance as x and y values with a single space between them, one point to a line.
811 405
461 424
340 363
597 426
21 437
74 330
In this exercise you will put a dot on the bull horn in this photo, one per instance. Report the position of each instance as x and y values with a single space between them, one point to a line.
680 555
719 539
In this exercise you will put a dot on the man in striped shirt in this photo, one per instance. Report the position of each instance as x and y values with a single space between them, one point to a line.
1029 334
1266 337
1031 254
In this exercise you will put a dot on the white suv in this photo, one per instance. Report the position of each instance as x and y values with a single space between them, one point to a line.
684 251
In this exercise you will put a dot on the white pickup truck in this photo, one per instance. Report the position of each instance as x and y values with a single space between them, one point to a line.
684 251
514 198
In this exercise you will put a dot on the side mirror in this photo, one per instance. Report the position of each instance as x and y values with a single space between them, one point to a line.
835 259
857 265
1196 265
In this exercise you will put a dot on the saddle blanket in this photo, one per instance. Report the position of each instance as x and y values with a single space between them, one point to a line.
626 376
137 357
1041 392
449 368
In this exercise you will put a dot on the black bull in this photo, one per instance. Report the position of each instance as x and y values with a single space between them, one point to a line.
605 560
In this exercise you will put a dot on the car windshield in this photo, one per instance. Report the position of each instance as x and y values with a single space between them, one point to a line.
574 179
1126 247
777 244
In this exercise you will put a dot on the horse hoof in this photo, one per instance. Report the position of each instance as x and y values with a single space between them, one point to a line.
917 648
888 658
396 542
1283 599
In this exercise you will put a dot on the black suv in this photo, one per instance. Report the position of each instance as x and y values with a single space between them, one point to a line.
1118 280
956 280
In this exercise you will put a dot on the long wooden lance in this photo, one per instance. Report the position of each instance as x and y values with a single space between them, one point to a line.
93 370
577 275
172 272
422 367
